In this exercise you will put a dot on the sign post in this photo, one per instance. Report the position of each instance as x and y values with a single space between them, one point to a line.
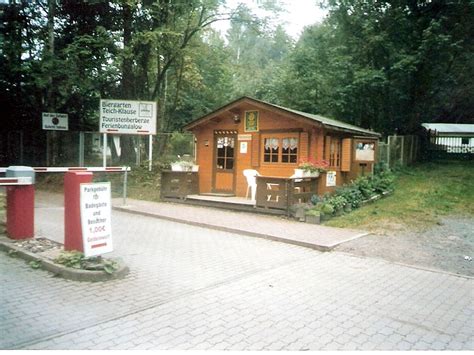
96 218
128 117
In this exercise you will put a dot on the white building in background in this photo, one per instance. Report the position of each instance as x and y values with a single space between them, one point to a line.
452 137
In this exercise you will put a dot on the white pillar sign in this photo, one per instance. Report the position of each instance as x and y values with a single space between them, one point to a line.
96 218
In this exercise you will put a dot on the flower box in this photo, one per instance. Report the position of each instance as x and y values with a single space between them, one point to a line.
301 173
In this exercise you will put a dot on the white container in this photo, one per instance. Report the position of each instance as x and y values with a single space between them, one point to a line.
176 167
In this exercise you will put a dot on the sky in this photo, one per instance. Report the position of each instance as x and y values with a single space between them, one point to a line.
300 13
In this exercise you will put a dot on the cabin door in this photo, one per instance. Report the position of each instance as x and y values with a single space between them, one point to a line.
224 163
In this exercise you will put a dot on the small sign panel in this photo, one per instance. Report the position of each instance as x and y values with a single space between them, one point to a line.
243 147
96 218
251 121
331 178
365 151
244 137
127 117
55 121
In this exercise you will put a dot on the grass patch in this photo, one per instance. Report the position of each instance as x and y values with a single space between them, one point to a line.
423 194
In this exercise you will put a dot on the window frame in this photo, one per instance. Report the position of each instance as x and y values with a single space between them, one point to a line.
334 158
280 137
225 157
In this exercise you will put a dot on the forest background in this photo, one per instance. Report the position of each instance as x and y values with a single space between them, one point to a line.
382 65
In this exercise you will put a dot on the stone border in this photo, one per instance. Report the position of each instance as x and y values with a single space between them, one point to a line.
8 245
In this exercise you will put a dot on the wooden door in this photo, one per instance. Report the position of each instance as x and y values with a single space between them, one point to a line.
224 163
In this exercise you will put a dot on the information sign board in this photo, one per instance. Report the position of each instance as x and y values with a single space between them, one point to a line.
96 218
55 121
365 151
127 117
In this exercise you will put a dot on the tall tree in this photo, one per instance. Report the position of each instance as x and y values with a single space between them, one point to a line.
385 65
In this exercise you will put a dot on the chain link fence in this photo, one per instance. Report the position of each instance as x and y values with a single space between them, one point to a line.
69 148
399 150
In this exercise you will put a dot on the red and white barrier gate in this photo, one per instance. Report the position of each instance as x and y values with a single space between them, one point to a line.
94 169
109 169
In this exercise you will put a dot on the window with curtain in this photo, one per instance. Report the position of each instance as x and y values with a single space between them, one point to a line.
225 153
280 149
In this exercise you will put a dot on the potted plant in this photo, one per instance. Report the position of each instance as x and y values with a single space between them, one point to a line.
313 216
327 211
298 211
183 165
311 168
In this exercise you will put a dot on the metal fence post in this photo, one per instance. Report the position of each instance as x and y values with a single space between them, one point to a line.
124 192
402 150
81 148
388 150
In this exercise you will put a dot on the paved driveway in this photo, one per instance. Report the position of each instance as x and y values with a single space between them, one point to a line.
195 288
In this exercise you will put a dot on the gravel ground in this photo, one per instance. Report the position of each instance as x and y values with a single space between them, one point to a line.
448 246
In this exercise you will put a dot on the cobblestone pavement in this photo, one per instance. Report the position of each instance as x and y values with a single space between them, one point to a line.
194 288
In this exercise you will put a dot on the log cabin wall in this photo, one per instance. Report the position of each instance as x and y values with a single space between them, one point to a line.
271 124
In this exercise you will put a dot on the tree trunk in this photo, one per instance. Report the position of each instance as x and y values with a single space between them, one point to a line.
127 154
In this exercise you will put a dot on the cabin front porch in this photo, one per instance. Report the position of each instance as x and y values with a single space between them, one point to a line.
274 195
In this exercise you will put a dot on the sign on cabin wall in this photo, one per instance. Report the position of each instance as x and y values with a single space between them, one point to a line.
365 151
331 178
251 121
244 137
243 147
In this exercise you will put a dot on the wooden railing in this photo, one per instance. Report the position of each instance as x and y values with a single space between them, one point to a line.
178 184
280 193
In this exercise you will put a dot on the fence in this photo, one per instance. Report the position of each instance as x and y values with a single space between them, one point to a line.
399 150
69 148
449 146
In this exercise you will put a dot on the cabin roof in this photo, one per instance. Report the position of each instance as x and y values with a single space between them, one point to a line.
450 127
327 122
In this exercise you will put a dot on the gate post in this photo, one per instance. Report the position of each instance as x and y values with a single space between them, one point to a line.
21 204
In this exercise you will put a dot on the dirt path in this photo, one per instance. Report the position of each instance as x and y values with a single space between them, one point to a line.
448 246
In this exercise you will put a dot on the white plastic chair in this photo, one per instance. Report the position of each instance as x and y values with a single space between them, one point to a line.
251 176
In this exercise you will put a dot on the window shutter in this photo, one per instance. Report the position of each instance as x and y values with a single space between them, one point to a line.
346 154
327 148
304 146
255 150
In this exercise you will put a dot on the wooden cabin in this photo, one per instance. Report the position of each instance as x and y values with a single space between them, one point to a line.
253 134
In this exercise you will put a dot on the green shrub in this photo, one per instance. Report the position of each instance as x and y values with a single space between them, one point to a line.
383 181
327 209
77 260
313 212
337 202
364 184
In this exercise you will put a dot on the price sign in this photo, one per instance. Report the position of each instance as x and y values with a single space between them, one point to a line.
96 218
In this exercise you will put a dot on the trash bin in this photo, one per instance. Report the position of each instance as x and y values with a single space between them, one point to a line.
20 203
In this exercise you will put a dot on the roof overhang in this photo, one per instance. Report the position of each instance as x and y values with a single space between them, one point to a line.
230 108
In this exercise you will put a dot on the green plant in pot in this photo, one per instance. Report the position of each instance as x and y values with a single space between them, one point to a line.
327 211
313 216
